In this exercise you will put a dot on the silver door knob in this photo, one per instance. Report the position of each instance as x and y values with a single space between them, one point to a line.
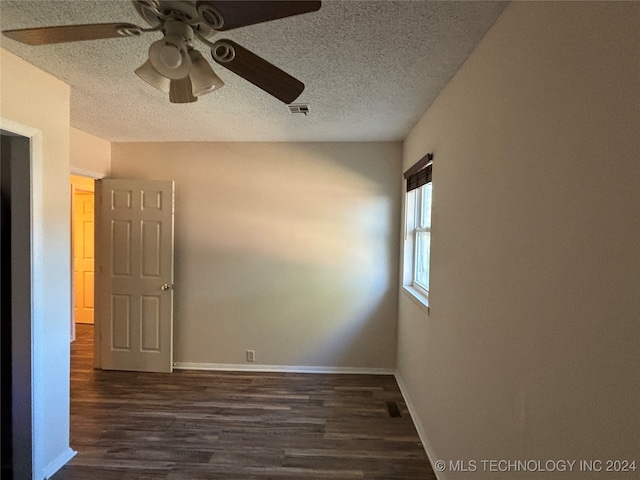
165 286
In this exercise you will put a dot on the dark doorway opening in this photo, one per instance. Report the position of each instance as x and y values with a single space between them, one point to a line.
15 311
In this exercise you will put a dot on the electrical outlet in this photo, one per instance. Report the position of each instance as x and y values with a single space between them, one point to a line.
251 355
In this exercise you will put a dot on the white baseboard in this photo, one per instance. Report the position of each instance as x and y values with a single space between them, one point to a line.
240 367
421 433
57 463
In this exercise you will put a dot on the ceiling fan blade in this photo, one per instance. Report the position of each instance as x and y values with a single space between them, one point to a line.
72 33
249 12
180 91
256 70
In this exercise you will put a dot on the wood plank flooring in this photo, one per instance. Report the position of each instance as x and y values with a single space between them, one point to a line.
193 425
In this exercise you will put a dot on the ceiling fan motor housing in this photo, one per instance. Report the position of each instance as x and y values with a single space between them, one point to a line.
154 12
178 29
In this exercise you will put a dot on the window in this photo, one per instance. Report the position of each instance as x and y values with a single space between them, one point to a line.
417 247
422 240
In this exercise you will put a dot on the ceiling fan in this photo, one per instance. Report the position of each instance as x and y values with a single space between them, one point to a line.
174 65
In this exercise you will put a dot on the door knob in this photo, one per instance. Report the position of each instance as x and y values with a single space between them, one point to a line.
165 286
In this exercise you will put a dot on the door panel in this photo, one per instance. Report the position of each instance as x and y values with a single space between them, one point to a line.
83 250
151 323
151 249
88 282
121 256
135 248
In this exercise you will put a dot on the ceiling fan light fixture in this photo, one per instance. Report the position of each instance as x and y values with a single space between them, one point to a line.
203 79
172 58
180 91
169 57
150 75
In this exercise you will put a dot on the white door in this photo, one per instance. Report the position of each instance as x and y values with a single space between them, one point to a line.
134 274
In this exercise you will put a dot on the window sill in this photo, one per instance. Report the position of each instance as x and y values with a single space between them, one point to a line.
418 298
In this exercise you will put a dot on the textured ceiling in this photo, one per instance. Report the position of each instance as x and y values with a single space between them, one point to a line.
371 69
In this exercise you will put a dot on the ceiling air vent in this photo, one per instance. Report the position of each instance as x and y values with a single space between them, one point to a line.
299 108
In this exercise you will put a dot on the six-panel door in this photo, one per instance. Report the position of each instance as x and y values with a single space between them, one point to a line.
135 274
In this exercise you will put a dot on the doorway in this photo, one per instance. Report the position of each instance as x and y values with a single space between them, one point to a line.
16 306
82 255
82 236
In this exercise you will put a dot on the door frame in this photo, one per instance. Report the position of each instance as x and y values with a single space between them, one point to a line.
25 342
72 197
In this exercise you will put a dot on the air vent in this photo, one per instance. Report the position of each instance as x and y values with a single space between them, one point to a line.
299 108
393 409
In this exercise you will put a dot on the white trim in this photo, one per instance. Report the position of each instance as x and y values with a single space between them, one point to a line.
421 433
58 462
86 173
35 137
239 367
37 295
417 297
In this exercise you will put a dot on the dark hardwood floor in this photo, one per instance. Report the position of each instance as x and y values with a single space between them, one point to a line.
193 425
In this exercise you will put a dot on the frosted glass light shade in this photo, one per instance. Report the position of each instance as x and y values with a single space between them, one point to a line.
150 75
203 78
162 55
170 56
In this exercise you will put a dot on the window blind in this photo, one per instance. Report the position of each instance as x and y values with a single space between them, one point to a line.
420 173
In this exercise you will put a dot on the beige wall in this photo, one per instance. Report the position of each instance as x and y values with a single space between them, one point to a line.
290 250
90 155
36 105
531 349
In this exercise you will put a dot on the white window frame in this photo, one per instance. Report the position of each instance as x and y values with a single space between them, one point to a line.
413 212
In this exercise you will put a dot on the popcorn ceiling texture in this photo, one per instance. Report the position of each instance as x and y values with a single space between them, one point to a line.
371 69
